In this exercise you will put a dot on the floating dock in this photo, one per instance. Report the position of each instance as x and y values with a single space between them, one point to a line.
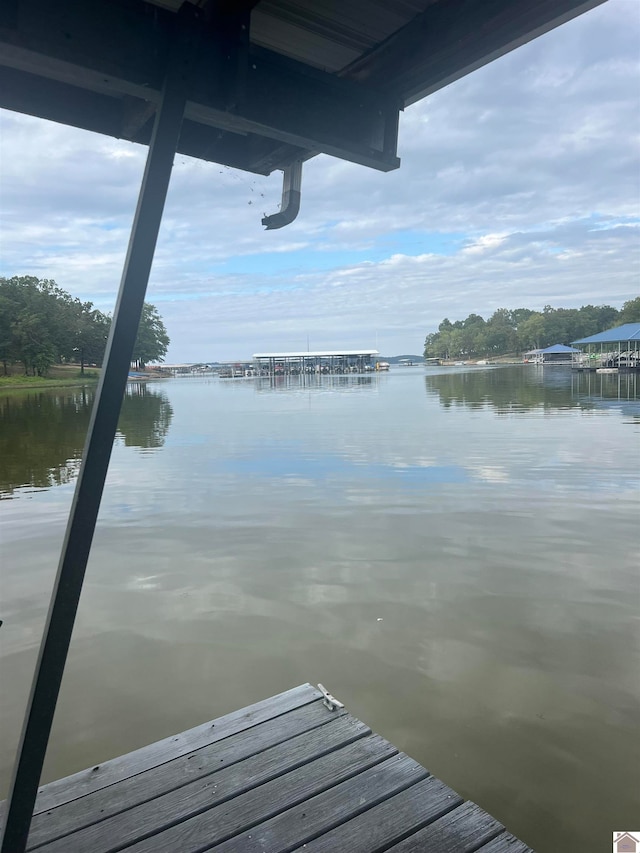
294 771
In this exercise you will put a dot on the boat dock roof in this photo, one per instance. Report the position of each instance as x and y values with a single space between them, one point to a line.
619 334
315 354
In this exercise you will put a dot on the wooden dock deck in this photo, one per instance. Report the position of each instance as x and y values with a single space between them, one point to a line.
281 775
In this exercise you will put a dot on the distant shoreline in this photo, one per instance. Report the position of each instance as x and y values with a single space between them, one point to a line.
59 376
24 383
68 376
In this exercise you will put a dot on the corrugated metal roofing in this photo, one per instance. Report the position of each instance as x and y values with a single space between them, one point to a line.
619 334
558 348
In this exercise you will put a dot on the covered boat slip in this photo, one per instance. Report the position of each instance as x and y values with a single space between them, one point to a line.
253 85
613 349
325 362
290 772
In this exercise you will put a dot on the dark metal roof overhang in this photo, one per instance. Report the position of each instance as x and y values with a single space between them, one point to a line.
270 82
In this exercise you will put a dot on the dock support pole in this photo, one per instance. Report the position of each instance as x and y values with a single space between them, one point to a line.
97 451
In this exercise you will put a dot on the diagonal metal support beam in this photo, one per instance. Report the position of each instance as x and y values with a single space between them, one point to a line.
102 428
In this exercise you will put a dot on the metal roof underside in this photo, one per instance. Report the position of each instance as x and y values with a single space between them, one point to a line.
270 82
619 334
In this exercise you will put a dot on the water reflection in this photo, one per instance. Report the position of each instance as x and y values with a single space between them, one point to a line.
604 387
41 438
145 418
42 433
482 568
523 389
307 382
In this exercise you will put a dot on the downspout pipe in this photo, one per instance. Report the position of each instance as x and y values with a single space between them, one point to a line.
291 192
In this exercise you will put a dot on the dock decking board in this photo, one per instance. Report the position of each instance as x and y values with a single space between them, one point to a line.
396 818
324 812
261 803
459 831
505 843
161 813
280 775
103 775
182 774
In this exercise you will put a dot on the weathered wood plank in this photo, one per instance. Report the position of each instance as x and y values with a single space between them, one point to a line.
94 779
505 843
153 817
233 817
370 831
323 812
145 786
459 831
377 828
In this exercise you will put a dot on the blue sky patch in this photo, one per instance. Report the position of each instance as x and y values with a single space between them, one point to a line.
322 257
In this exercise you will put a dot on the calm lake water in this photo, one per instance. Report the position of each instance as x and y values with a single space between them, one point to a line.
453 552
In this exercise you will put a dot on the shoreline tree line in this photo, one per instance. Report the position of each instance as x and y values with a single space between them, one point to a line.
516 330
41 325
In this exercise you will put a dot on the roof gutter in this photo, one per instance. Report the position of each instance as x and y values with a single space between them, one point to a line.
291 193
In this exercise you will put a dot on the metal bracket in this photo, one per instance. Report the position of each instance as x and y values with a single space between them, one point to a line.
329 701
291 192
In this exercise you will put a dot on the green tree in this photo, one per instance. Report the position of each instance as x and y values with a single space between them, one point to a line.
518 329
501 336
473 337
589 320
41 324
35 323
531 331
153 340
10 305
88 335
630 312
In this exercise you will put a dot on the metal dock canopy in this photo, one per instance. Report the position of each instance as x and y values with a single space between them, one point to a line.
254 85
295 771
267 83
321 361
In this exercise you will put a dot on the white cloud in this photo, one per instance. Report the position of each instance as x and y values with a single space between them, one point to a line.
485 243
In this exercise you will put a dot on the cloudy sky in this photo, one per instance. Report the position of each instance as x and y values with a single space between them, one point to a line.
519 186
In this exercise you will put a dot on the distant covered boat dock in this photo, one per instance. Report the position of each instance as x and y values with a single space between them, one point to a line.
556 354
611 350
324 362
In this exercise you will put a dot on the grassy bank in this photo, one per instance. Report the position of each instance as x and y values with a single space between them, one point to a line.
59 376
